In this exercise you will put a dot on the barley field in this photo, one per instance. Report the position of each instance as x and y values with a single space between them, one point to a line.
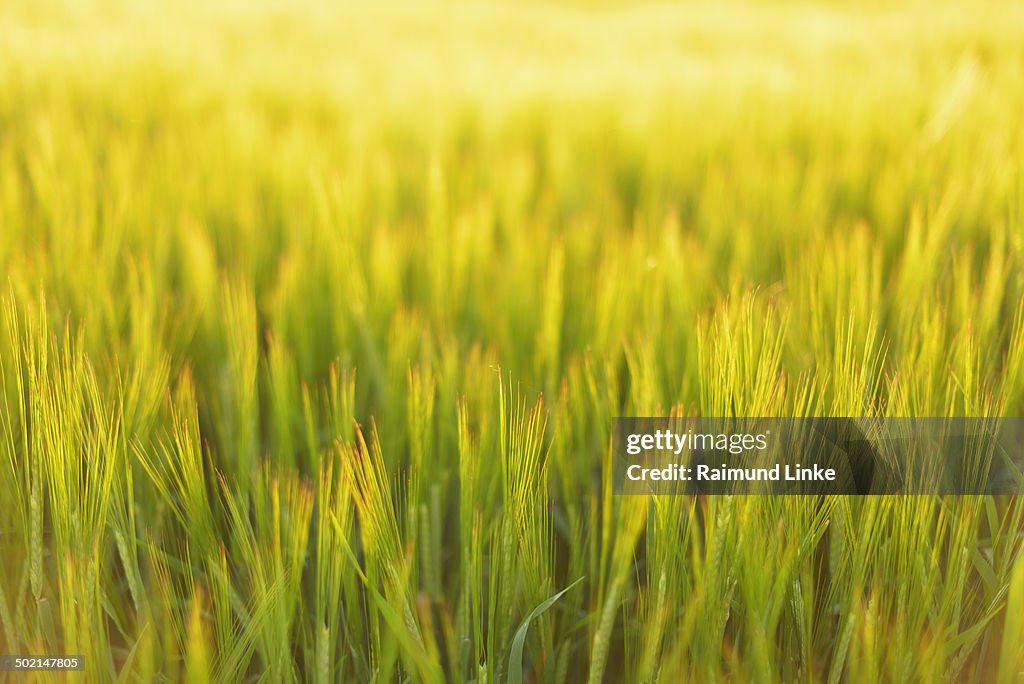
316 317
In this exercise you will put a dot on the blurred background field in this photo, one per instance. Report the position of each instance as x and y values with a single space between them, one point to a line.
232 231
